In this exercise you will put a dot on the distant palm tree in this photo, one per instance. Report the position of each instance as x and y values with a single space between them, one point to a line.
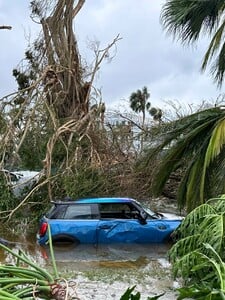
139 102
196 146
187 20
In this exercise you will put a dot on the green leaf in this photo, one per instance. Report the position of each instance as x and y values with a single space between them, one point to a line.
127 294
193 292
215 145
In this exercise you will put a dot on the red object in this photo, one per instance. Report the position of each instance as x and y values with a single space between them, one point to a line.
43 229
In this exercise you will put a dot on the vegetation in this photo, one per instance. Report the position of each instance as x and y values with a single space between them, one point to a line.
198 151
58 109
26 280
79 149
7 199
188 20
129 295
191 148
194 146
82 152
198 255
140 104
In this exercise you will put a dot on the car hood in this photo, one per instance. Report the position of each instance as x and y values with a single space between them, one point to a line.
171 216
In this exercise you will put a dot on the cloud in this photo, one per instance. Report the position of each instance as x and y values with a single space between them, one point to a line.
146 55
13 42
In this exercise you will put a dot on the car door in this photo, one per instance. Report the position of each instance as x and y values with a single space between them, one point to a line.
118 231
119 225
132 231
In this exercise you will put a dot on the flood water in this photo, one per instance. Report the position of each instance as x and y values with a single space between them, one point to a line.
83 256
101 272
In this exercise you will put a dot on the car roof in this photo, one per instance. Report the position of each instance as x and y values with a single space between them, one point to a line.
95 200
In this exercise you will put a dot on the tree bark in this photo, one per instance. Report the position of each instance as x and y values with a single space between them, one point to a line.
65 88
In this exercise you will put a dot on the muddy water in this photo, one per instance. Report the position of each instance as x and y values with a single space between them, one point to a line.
85 257
101 272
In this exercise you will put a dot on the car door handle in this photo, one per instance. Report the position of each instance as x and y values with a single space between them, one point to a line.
105 226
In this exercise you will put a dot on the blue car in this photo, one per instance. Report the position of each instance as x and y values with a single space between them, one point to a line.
105 220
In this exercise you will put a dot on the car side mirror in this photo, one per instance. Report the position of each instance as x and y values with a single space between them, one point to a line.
142 217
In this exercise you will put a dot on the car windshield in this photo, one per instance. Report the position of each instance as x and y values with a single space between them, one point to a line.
150 212
147 209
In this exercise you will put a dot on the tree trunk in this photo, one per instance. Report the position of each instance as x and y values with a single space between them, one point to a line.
65 89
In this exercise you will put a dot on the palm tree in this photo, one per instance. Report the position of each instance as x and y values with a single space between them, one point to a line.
196 146
139 103
187 20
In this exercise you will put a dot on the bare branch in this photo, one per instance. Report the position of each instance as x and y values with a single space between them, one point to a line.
6 27
78 7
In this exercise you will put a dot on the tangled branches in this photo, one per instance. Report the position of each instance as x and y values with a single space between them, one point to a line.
50 124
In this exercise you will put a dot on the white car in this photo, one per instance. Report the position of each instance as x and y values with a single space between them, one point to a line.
21 181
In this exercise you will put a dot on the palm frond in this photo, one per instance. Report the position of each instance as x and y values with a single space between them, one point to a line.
182 265
217 203
169 164
213 223
198 255
190 225
187 19
181 128
195 266
216 142
218 67
215 145
214 261
184 246
183 147
195 145
214 178
214 45
188 191
197 291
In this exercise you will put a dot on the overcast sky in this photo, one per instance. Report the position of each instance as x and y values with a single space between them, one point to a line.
146 55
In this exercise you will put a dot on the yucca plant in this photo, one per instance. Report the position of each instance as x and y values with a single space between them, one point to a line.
26 280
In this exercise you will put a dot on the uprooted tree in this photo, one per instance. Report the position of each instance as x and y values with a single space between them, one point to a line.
52 123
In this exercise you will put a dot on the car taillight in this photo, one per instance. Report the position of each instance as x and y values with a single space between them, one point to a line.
43 229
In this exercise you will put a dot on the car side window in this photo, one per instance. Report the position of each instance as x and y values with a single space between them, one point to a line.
115 211
56 212
78 211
